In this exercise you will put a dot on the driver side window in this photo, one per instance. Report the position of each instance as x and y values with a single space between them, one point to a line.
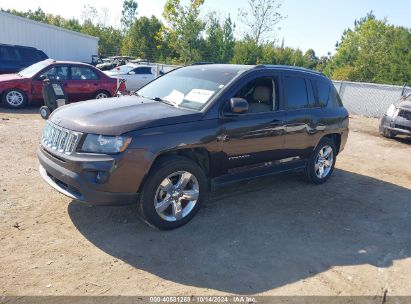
261 95
58 72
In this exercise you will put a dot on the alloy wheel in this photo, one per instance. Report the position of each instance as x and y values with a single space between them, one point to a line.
101 95
176 196
14 98
324 161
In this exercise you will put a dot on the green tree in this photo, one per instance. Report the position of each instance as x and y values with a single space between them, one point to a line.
143 39
128 14
219 40
247 52
374 51
184 29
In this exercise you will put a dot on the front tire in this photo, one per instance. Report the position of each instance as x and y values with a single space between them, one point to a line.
321 164
44 112
15 98
173 193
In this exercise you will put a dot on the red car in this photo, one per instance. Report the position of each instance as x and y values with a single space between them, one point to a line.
81 82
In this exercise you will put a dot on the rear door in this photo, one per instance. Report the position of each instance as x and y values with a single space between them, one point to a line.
82 84
301 126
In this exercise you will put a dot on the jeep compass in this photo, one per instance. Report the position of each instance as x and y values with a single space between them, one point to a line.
191 130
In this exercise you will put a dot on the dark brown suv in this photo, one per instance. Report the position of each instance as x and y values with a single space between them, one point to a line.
191 130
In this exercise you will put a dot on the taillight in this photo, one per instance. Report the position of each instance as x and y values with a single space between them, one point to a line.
122 86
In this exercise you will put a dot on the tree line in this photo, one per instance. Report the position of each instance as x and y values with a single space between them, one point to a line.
371 51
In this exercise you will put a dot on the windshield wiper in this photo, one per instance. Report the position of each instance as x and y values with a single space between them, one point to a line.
165 101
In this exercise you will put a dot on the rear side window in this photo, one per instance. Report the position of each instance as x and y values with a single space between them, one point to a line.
310 93
9 54
324 92
144 70
296 92
83 73
30 55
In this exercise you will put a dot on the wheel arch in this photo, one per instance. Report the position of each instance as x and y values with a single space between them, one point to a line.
200 156
336 137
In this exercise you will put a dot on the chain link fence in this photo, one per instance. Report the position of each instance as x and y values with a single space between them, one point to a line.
368 99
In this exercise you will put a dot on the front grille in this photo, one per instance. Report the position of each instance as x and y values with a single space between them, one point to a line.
403 127
405 114
59 139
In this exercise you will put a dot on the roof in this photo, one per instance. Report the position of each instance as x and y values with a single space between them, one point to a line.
26 20
240 67
52 61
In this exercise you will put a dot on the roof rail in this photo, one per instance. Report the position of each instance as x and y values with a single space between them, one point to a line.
288 67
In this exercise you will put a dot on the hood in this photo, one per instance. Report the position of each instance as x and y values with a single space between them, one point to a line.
115 116
10 77
406 105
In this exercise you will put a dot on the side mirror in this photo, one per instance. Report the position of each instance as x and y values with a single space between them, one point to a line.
238 105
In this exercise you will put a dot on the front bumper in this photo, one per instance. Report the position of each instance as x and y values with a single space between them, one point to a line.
397 125
77 179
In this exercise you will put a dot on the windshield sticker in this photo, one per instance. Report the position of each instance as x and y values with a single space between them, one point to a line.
198 95
175 97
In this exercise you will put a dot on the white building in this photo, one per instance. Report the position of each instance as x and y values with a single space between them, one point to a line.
58 43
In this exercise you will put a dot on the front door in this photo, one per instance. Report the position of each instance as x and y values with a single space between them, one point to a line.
256 136
59 72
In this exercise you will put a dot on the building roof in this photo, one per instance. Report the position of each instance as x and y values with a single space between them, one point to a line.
26 20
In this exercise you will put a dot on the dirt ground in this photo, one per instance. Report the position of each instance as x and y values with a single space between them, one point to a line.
272 236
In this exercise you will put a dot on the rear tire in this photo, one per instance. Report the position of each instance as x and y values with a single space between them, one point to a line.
15 98
101 95
173 193
321 164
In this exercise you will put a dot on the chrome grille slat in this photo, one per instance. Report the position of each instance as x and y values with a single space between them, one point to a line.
59 139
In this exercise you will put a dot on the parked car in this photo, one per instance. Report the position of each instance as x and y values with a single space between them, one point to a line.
192 130
397 120
136 75
14 58
81 82
112 62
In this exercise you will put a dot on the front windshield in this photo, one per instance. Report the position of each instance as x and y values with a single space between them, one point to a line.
33 69
190 87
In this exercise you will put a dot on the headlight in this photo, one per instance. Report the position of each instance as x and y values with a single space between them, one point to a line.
392 111
105 144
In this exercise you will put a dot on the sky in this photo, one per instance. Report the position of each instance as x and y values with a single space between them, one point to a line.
316 24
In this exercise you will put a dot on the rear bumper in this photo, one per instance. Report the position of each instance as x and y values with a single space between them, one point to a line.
77 184
397 125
